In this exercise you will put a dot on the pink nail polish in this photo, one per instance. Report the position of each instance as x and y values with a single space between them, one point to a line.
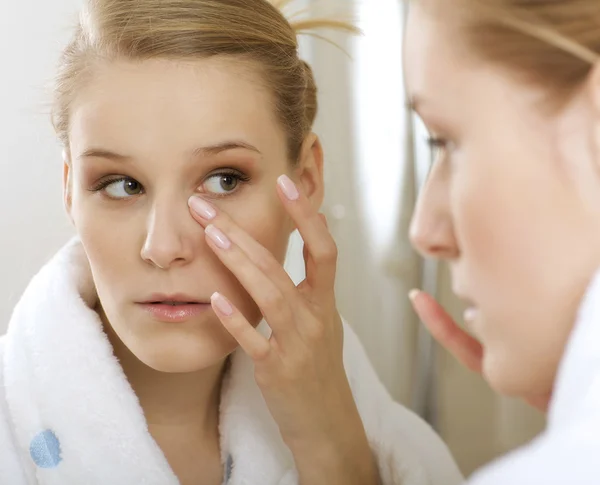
220 239
202 208
288 187
223 306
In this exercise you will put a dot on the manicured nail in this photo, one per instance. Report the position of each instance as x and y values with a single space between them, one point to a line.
412 294
223 306
202 208
220 239
470 314
288 187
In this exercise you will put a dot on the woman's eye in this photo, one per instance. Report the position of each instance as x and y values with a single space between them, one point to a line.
122 188
441 148
222 183
437 144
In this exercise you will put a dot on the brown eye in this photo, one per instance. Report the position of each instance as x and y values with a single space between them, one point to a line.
132 187
224 183
122 188
228 182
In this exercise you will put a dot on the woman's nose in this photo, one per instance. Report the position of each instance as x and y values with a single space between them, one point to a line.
170 237
431 229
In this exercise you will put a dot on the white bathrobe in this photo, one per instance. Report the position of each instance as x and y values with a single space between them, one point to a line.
568 451
68 415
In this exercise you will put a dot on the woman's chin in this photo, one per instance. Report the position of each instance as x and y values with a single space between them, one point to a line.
190 356
177 364
506 375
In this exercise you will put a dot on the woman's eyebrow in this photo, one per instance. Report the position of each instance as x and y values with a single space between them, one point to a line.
224 146
209 150
103 153
413 103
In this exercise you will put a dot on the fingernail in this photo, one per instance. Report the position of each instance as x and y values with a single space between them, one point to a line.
222 304
202 208
220 239
412 294
470 314
288 187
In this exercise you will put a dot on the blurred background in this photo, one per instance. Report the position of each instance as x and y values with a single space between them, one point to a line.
376 161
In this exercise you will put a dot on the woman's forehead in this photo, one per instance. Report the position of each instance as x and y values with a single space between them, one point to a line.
158 103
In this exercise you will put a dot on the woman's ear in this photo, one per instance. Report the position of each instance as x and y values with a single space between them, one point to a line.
309 172
67 185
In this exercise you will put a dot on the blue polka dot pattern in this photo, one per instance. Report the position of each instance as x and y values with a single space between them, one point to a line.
45 449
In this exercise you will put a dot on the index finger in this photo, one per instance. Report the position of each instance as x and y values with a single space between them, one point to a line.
319 244
442 327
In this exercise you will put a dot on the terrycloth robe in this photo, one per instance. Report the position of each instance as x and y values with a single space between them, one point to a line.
68 415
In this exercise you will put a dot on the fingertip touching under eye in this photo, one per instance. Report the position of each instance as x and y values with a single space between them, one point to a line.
203 209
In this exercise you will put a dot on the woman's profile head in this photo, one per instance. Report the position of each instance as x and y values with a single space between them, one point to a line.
510 93
159 100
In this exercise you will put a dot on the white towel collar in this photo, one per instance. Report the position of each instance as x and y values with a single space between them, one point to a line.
577 386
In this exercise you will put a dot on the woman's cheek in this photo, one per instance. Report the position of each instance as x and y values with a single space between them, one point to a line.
270 234
102 221
269 225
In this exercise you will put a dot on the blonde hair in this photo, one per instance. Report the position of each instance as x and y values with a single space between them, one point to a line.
252 30
553 42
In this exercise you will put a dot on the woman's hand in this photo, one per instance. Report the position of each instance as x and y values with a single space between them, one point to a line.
299 368
465 348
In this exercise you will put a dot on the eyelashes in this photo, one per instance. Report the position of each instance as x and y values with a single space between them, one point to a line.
227 182
220 183
106 182
436 143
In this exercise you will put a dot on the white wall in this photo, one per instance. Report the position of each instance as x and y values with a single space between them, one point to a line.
32 222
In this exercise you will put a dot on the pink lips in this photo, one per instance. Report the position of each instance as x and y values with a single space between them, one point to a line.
174 308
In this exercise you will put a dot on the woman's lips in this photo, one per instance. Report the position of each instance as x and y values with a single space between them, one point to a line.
175 312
